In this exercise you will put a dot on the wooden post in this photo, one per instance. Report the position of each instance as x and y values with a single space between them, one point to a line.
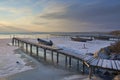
69 61
18 43
37 51
66 60
57 57
26 47
94 70
77 64
22 45
45 54
30 49
52 56
90 72
13 41
83 67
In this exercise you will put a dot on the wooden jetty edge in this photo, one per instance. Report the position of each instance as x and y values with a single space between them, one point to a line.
89 61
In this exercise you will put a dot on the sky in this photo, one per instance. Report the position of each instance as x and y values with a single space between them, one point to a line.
59 15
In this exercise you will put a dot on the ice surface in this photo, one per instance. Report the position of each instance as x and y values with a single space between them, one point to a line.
8 59
80 47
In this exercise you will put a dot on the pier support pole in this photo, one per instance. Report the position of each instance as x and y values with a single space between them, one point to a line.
22 45
26 47
66 60
45 54
18 43
90 72
57 58
77 64
69 62
94 70
37 51
83 67
30 49
52 56
13 41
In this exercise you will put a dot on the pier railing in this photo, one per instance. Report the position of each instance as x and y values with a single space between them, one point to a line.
84 60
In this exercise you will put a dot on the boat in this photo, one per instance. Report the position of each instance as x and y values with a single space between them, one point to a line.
80 39
44 42
101 37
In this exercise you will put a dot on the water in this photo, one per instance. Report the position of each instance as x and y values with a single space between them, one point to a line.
4 36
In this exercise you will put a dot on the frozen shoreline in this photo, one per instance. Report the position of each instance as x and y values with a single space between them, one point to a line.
8 59
78 47
66 43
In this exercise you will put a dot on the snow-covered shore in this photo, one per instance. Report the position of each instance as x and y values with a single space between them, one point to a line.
8 59
78 47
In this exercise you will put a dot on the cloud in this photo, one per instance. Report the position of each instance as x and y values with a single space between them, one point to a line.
15 10
8 28
60 15
92 15
39 23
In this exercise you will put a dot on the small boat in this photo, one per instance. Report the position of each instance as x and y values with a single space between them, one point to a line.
44 42
80 39
101 38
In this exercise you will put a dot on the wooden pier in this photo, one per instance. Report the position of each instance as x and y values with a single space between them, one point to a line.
86 60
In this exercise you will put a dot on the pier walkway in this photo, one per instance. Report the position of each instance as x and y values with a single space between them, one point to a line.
86 60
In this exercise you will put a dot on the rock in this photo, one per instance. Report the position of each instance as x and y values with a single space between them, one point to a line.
117 77
103 53
106 73
115 56
90 54
17 62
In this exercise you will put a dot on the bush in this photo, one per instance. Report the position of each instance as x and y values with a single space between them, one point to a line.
117 33
115 48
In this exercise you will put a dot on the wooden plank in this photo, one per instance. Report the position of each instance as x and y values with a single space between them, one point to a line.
81 56
108 64
104 64
100 62
113 65
87 58
94 62
90 60
118 64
